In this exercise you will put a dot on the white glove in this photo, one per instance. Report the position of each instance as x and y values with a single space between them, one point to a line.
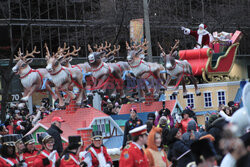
183 28
52 155
108 165
179 118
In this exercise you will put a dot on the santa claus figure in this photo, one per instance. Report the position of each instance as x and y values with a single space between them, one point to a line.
202 36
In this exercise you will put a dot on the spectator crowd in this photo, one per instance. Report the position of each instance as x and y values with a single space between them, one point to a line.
161 141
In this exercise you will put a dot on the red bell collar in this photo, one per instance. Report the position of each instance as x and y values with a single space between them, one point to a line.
57 71
170 69
136 65
30 71
94 70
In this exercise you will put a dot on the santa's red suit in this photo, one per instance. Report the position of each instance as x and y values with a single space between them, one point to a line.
43 159
202 36
28 158
133 156
100 156
8 162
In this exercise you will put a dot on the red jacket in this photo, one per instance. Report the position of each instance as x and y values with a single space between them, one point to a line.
95 161
6 162
132 156
42 161
28 158
69 160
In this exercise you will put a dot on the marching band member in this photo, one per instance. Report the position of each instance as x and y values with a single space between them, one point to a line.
30 152
8 153
99 154
19 144
133 155
46 157
70 158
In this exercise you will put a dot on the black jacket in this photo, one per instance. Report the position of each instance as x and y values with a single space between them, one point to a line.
176 149
55 132
129 125
216 129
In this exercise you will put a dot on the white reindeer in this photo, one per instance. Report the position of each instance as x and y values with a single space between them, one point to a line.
31 79
63 77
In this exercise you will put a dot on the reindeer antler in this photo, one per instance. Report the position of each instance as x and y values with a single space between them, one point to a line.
62 50
113 51
19 53
89 48
73 53
47 51
174 47
127 46
107 46
162 50
31 54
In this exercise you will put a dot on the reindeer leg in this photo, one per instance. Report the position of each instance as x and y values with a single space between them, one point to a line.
184 88
30 92
82 95
50 90
176 90
197 91
61 102
26 91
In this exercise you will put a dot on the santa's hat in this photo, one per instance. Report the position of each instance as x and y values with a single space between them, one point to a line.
203 26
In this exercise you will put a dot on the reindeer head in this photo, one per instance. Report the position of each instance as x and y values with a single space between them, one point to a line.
136 52
95 57
53 62
22 61
169 59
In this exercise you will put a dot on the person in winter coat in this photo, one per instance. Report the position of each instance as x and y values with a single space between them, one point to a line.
56 132
164 112
178 149
191 129
132 123
215 129
155 152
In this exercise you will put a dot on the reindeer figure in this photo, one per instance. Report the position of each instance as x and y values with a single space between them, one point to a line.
31 79
105 74
145 71
63 77
178 69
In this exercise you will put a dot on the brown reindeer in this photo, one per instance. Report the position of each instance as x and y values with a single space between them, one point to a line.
63 77
107 75
145 71
178 69
32 80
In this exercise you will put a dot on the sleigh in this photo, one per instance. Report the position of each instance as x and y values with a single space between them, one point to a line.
210 66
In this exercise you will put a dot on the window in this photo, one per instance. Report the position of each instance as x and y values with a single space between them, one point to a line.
207 99
190 100
221 98
171 97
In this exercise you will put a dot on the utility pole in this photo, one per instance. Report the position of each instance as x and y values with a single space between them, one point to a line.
147 29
